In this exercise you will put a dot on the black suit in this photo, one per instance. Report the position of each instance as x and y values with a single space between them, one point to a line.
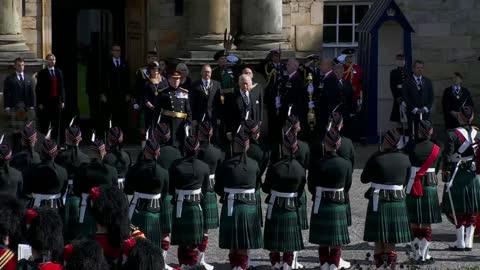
17 93
397 78
205 100
452 101
293 94
116 88
46 96
417 97
237 109
345 94
326 99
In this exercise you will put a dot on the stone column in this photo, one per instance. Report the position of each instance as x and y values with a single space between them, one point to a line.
207 20
12 42
261 25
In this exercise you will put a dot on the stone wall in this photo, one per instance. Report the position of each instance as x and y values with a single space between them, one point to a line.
32 27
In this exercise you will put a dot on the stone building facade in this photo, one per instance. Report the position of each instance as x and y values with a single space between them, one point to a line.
447 36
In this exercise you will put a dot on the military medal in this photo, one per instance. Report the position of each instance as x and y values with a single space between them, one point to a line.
320 85
288 85
458 97
156 93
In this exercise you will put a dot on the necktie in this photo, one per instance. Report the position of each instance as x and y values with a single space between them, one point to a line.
205 84
21 77
246 98
117 63
52 73
419 83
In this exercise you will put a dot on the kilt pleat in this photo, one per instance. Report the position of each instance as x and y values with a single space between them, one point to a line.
166 214
241 230
465 193
425 209
349 213
329 226
282 231
88 227
188 229
258 198
302 212
389 224
70 221
210 211
150 224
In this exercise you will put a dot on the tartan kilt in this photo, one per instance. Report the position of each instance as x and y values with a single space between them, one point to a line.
425 209
282 231
389 225
465 193
188 230
349 209
210 211
302 212
88 228
166 214
241 230
149 223
70 220
329 226
258 198
18 124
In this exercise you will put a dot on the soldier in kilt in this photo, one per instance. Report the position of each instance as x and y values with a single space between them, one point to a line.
236 180
71 158
422 197
284 182
46 182
148 183
328 181
44 235
213 156
116 156
189 180
27 157
89 175
109 209
12 212
387 221
11 180
461 174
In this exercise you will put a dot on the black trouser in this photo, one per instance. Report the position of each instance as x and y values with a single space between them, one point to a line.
50 115
413 120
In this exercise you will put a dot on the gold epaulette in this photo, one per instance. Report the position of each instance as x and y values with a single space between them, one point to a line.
255 84
183 89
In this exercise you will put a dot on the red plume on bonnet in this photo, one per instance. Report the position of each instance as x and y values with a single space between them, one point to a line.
67 252
94 193
128 246
30 216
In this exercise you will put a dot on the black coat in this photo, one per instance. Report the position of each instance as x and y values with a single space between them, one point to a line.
453 102
397 78
11 181
44 84
293 93
415 98
205 101
15 92
116 81
236 109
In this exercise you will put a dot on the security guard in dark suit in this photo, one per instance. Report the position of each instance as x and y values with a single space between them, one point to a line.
11 180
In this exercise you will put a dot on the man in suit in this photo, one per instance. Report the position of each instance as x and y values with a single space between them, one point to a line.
326 97
18 100
454 98
346 99
257 88
116 93
50 93
418 96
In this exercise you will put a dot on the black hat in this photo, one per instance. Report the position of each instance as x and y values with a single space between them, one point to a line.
45 232
425 127
336 118
466 113
333 138
162 133
152 53
275 51
144 256
84 254
219 54
152 147
109 208
49 148
73 135
349 51
242 140
29 133
153 65
205 129
98 145
115 136
191 145
392 137
251 127
292 123
313 57
5 152
12 212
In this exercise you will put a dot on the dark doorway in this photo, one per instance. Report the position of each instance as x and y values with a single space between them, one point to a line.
82 35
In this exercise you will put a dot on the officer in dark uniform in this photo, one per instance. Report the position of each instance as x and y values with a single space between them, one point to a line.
151 95
236 181
89 175
397 78
454 97
213 156
175 108
189 183
388 172
285 182
71 159
148 183
47 181
12 212
27 157
328 181
11 180
311 67
116 156
422 196
142 75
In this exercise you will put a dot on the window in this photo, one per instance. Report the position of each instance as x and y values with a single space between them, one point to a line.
339 22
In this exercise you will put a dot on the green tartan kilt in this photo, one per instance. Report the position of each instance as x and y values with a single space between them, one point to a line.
258 198
465 193
241 230
389 225
88 227
70 221
150 224
210 211
329 226
302 212
166 214
188 229
425 209
282 232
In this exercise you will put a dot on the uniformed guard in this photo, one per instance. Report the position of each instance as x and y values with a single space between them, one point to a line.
27 157
422 197
189 181
89 175
454 97
143 74
109 209
353 73
213 156
397 78
44 235
12 212
144 255
151 95
236 180
148 183
11 180
387 221
328 181
284 182
84 254
47 181
116 156
461 173
71 158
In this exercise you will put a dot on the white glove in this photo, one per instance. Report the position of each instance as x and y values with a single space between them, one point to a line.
425 110
310 88
415 110
359 102
277 102
403 104
311 104
136 106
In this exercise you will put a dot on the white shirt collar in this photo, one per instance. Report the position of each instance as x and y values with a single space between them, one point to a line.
417 78
19 73
205 81
116 59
